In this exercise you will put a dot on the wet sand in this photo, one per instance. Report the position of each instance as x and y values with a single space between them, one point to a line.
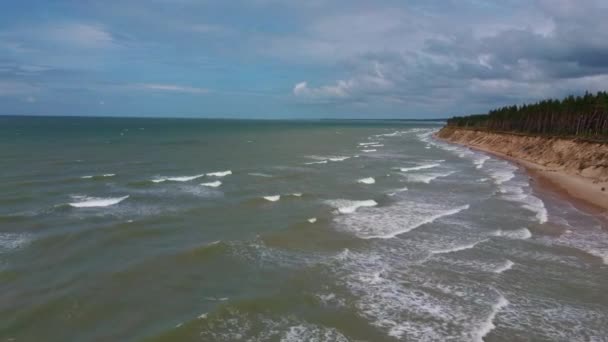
582 190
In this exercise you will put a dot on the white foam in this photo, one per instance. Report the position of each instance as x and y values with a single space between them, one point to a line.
311 333
104 175
11 241
394 192
377 145
426 178
297 194
259 174
369 143
273 198
521 234
177 179
537 206
338 159
507 266
457 248
368 180
93 202
212 184
317 162
367 151
219 173
501 176
419 167
312 220
488 325
388 222
480 161
344 206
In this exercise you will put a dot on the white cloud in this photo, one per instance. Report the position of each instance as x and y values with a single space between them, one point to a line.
19 88
81 35
172 88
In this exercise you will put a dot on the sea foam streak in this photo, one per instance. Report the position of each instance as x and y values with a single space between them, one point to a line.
488 325
212 184
521 234
177 179
368 180
368 143
507 266
426 178
367 151
388 222
458 248
419 167
348 207
273 198
11 241
219 173
93 202
104 175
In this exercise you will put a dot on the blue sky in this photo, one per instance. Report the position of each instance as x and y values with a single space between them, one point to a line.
296 59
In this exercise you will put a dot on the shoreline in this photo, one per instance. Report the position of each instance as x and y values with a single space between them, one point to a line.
580 191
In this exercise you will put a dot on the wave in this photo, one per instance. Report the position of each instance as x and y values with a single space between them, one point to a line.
338 159
212 184
507 266
326 159
504 174
177 179
394 192
520 234
272 198
457 248
219 173
488 325
388 222
309 332
259 174
369 143
368 180
297 194
515 193
367 151
419 167
312 220
479 162
377 145
344 206
105 175
426 178
95 202
12 241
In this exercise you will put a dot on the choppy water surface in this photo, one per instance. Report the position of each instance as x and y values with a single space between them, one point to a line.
201 230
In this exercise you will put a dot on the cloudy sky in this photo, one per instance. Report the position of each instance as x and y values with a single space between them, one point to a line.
296 59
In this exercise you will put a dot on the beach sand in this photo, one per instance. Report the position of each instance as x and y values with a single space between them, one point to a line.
585 191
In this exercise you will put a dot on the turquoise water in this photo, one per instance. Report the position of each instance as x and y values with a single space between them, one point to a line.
211 230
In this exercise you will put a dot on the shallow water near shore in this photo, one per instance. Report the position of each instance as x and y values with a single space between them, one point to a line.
217 230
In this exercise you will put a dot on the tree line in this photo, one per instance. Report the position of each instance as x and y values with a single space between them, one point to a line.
576 116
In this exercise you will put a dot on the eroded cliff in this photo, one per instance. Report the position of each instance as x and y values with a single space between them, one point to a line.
584 158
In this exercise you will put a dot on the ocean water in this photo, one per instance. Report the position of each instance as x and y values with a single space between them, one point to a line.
211 230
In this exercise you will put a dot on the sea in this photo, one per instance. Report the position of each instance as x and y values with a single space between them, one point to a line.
126 229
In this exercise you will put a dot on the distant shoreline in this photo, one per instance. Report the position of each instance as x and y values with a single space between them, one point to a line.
582 189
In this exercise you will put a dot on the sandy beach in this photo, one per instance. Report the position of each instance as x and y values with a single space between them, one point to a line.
583 190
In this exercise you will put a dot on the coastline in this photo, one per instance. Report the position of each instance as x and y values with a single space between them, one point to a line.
582 191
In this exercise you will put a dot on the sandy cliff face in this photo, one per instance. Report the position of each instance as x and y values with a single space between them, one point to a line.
586 159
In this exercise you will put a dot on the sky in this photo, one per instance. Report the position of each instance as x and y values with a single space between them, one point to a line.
296 59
